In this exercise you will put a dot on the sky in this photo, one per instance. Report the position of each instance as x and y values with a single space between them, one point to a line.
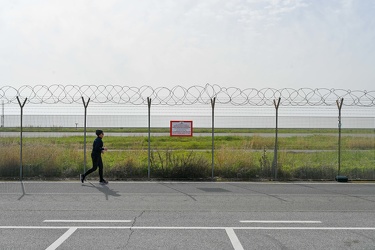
166 43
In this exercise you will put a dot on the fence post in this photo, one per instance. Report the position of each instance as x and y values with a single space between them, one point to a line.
84 133
213 136
149 138
339 106
21 106
274 162
2 114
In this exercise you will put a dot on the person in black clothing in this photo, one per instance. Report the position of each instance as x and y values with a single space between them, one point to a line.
96 156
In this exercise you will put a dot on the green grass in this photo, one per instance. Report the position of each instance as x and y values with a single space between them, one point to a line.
196 130
313 142
236 157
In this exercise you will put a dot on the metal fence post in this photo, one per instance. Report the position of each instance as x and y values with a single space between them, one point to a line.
274 162
84 133
339 106
2 114
21 130
149 138
213 136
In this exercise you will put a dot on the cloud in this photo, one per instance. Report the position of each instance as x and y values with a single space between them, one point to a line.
285 43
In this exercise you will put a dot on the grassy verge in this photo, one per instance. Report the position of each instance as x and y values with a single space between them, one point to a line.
236 157
196 130
312 142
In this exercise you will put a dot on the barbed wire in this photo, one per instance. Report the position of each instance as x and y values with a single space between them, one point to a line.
180 95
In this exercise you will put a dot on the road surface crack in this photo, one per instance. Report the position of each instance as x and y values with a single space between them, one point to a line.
131 228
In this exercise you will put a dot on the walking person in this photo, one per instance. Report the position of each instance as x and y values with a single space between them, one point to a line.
96 156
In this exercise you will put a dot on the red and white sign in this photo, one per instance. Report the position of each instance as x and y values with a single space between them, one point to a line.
181 128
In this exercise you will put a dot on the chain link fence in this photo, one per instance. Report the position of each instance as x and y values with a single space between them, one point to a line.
219 114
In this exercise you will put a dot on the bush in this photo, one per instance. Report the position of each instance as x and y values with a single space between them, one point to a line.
236 163
10 162
315 173
126 169
178 165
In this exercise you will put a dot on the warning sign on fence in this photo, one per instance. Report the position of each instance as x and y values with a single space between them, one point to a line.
181 128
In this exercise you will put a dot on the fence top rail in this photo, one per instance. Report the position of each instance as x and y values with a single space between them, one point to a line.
180 95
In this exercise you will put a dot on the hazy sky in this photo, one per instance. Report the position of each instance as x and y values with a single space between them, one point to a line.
232 43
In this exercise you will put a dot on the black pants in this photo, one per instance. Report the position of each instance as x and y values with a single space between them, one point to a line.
96 162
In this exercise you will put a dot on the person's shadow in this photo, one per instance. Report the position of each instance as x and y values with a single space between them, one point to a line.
104 189
23 191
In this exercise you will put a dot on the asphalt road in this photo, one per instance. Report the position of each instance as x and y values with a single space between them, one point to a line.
187 215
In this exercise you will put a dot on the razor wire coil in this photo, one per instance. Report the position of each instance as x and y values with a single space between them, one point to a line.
180 95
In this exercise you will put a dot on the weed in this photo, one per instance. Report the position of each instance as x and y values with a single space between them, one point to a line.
241 157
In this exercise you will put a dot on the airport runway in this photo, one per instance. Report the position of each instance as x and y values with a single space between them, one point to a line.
187 215
66 134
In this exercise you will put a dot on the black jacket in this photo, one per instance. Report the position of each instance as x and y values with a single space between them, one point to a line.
97 147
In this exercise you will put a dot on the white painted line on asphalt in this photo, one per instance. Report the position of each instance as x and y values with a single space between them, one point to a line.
60 240
191 228
254 228
282 221
234 239
90 221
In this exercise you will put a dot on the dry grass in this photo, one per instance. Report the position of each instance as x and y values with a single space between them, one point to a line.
235 157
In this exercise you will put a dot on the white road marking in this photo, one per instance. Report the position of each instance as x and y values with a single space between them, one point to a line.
90 221
63 237
234 239
229 230
281 221
192 228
